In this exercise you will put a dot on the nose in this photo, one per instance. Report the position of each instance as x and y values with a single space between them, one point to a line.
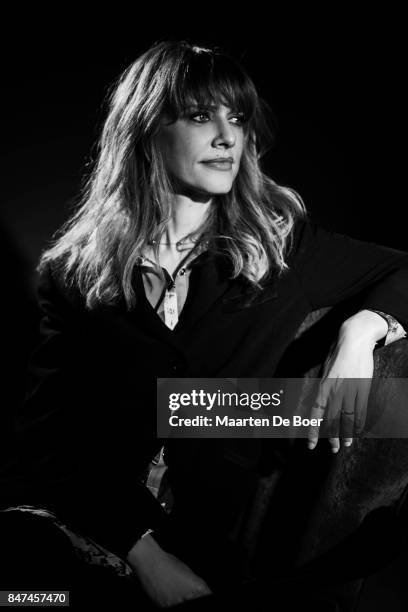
225 136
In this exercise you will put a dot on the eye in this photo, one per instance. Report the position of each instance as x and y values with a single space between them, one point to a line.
238 119
199 117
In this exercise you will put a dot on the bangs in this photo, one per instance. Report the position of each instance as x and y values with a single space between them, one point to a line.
204 78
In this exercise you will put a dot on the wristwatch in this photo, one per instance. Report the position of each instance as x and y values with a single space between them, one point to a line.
395 329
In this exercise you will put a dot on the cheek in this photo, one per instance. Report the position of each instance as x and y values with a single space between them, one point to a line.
241 143
174 149
181 153
174 156
239 153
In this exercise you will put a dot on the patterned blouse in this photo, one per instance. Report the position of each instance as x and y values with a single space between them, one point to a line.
168 295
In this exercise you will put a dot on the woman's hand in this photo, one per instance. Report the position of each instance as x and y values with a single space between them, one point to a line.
164 578
343 393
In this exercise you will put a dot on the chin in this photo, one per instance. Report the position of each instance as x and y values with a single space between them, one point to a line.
219 187
222 191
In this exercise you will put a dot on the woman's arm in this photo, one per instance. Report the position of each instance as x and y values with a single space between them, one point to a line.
332 268
167 580
344 389
71 457
80 468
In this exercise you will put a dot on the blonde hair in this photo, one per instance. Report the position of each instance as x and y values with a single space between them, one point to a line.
126 201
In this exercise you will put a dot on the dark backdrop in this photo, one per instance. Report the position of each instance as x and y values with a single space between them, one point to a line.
335 82
335 89
334 86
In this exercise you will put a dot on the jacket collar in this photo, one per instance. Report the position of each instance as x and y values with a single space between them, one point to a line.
210 283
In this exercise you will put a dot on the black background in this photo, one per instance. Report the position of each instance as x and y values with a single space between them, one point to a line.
335 82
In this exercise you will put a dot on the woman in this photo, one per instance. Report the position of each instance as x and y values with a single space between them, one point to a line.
183 259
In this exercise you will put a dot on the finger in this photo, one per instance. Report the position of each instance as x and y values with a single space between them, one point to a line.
334 444
363 393
318 410
333 417
326 386
348 411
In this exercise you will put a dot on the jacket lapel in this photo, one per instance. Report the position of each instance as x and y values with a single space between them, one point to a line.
208 283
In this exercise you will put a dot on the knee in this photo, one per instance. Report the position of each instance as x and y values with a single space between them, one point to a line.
35 553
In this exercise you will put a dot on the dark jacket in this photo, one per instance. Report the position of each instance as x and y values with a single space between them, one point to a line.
88 426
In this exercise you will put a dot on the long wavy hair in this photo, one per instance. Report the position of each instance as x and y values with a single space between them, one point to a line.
126 200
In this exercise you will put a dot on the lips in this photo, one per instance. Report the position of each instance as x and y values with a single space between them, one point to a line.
219 163
218 160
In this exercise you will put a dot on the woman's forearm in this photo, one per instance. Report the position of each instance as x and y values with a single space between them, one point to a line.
164 577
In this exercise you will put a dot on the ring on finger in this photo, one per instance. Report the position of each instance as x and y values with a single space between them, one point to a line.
321 406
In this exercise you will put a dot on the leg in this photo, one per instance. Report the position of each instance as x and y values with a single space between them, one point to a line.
36 555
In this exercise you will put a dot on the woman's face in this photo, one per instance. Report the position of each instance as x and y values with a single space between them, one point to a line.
202 150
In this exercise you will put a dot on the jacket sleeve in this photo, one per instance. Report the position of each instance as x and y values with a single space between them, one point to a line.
333 267
65 463
395 330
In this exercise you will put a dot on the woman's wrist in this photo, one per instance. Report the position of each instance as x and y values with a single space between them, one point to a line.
364 326
143 549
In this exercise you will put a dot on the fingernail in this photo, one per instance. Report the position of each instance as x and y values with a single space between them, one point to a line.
335 449
311 445
347 444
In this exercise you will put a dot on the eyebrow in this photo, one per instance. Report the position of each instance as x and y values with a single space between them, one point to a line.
209 107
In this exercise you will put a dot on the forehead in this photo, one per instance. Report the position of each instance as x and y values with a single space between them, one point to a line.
209 78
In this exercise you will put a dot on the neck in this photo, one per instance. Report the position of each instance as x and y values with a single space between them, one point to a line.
186 218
